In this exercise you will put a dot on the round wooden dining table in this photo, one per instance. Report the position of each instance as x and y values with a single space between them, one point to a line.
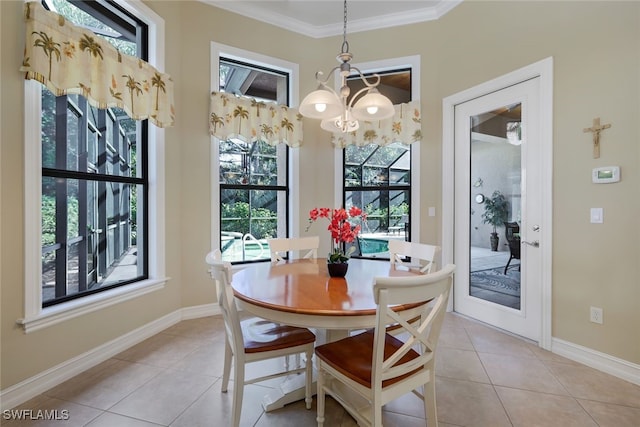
301 293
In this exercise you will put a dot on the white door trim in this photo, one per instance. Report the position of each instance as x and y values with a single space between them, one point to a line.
544 70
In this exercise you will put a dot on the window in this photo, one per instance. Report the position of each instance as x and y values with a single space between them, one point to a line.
251 177
94 182
379 179
87 184
93 199
254 198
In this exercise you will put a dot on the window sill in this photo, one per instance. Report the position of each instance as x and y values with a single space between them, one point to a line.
61 312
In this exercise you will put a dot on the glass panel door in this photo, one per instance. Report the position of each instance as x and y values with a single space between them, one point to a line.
497 200
495 189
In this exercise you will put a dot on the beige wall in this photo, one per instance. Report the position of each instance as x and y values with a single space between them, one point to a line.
596 50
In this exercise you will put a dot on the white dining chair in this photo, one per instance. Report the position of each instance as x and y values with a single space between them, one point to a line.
380 367
400 250
267 340
280 246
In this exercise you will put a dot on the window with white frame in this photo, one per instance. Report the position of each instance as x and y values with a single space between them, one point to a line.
92 182
251 177
378 179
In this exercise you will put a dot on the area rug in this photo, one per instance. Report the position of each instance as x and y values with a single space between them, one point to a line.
494 280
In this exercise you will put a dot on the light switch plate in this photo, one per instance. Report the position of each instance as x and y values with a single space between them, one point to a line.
596 216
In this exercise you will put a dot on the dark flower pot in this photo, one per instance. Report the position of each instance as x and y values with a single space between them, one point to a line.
494 241
337 269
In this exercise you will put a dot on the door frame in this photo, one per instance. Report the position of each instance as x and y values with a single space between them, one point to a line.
544 70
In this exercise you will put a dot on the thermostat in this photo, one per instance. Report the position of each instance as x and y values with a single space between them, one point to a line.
605 175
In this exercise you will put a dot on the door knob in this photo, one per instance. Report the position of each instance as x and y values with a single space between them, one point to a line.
535 243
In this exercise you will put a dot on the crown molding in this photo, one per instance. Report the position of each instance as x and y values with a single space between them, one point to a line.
355 25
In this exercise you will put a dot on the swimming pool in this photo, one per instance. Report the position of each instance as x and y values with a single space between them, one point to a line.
245 249
370 245
232 249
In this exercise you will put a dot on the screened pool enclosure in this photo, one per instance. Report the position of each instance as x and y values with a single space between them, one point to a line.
253 176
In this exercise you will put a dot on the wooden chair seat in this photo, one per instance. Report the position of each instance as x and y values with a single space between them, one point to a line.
358 350
262 335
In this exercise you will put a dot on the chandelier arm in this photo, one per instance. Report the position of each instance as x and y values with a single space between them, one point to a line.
323 82
367 85
365 80
357 94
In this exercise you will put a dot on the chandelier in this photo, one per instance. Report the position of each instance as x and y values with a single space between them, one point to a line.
338 114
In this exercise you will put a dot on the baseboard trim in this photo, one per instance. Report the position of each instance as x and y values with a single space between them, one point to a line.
198 311
31 387
601 361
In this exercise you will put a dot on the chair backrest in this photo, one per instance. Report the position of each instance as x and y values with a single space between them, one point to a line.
214 255
513 241
510 229
221 272
392 291
421 251
279 247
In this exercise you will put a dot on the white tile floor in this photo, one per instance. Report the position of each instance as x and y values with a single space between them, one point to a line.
484 378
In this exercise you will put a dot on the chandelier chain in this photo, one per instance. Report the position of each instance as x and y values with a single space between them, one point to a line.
345 44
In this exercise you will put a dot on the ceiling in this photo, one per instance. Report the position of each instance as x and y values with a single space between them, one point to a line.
323 18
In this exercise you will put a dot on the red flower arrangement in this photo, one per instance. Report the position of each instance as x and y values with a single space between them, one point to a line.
342 231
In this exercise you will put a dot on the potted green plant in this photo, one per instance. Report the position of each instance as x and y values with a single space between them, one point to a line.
496 211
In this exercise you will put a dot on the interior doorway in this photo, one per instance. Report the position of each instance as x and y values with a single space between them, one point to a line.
497 199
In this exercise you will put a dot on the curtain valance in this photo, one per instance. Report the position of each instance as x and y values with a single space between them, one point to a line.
404 126
72 60
252 120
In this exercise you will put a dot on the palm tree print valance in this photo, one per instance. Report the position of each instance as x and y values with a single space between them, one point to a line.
404 126
252 120
70 59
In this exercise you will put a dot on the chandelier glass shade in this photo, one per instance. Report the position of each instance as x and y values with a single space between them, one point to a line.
320 104
337 111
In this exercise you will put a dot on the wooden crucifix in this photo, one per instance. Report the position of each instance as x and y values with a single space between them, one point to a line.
596 129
